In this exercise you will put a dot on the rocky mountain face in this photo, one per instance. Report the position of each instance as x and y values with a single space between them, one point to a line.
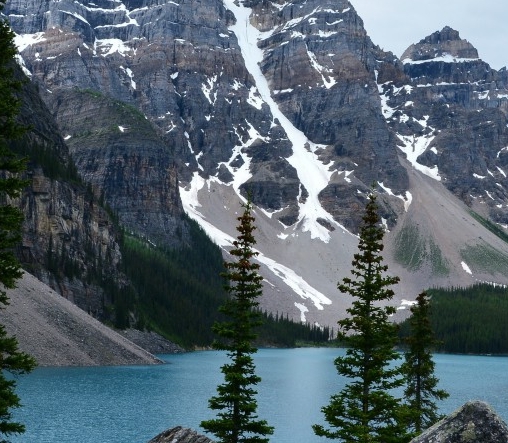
168 106
69 239
452 107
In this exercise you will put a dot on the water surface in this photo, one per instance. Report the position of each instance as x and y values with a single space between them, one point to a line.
132 404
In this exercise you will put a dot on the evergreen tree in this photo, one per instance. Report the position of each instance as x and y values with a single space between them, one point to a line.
11 359
421 389
365 410
237 420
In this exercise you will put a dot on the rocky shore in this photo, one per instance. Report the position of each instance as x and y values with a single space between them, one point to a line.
57 333
474 422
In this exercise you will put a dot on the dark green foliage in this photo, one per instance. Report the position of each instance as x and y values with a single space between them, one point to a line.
16 363
282 331
11 359
469 320
421 390
496 230
365 410
47 159
235 400
182 302
178 300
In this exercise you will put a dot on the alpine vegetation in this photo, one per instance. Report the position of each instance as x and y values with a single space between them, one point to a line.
237 420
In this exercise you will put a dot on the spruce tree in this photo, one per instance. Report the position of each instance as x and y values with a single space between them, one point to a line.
365 410
11 359
237 420
421 390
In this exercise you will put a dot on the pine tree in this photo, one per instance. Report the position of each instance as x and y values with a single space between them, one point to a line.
237 420
421 388
11 359
365 410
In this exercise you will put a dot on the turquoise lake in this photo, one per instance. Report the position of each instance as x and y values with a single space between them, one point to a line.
132 404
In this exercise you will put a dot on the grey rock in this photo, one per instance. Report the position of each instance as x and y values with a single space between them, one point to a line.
63 222
57 333
464 106
475 422
152 342
180 435
310 65
441 43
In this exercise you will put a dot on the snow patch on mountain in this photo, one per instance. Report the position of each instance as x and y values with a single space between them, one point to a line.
109 46
407 199
445 58
313 174
412 145
25 40
295 282
466 268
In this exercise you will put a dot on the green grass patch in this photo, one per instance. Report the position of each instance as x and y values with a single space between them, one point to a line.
496 230
440 266
484 258
413 250
410 249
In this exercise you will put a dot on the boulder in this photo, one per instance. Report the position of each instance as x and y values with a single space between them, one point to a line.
474 422
180 435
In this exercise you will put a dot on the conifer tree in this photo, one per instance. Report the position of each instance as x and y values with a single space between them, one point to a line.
11 359
237 420
421 390
365 410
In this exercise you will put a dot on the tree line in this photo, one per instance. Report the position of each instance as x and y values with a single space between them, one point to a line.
469 320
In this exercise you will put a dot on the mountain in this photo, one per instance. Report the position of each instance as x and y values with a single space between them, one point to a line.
171 106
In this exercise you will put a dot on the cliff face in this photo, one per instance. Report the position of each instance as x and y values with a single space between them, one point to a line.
453 108
182 67
69 240
321 67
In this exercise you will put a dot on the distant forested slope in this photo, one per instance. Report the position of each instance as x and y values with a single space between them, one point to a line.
177 292
470 320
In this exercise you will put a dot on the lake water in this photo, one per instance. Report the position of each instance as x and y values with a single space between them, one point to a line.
132 404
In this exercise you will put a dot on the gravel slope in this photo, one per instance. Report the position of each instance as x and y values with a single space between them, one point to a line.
58 333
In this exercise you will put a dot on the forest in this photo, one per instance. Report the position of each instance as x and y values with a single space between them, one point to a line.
470 320
181 302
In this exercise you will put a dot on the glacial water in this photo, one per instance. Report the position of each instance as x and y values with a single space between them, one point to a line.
132 404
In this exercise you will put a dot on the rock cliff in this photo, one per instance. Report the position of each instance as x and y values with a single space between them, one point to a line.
69 240
454 110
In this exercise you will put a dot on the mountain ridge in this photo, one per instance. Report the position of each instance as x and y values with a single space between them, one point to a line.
320 96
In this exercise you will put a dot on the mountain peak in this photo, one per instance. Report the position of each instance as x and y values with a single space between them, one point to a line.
439 45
